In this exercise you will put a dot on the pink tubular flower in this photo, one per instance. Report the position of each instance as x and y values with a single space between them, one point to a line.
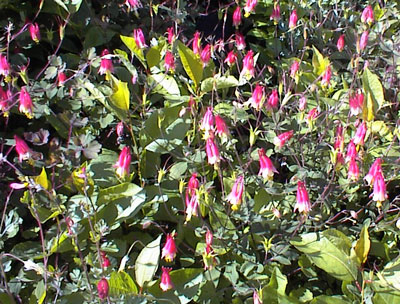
61 78
326 77
102 288
4 65
257 98
120 129
34 31
379 193
237 16
281 139
353 172
267 168
221 128
169 249
171 35
105 262
24 152
367 15
256 298
133 4
340 43
374 171
166 283
363 41
339 141
196 43
276 13
312 114
209 240
249 7
240 42
169 63
293 19
360 134
191 199
351 151
139 38
212 152
248 66
106 63
193 184
25 103
123 162
235 197
356 103
294 68
3 101
303 201
273 100
207 124
231 58
205 55
302 103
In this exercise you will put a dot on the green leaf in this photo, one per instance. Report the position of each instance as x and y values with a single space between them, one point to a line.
218 82
40 292
121 283
42 179
329 300
374 94
319 62
135 50
6 299
178 169
153 57
191 63
329 251
121 96
363 245
390 276
278 281
164 84
147 262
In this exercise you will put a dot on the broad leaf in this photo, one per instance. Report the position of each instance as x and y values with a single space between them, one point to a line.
132 46
218 82
121 283
121 95
363 245
191 63
373 93
147 262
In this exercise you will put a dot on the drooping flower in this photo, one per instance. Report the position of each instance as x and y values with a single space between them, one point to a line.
23 151
339 141
326 77
374 171
302 103
356 103
281 139
240 42
196 43
293 19
171 35
169 249
102 288
303 204
61 78
3 102
139 38
248 70
105 63
230 58
169 63
35 32
367 15
340 43
257 98
120 129
249 7
212 151
221 127
207 123
354 171
191 198
311 116
267 168
25 103
133 4
363 41
256 298
379 193
237 16
276 13
105 262
235 197
166 282
273 100
209 240
351 151
205 55
360 134
123 162
294 68
4 65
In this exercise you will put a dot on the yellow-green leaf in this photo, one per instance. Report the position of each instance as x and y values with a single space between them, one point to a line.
42 179
132 46
319 62
153 57
121 96
382 129
363 245
191 63
374 93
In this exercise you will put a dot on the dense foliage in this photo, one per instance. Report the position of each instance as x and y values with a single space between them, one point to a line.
199 151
